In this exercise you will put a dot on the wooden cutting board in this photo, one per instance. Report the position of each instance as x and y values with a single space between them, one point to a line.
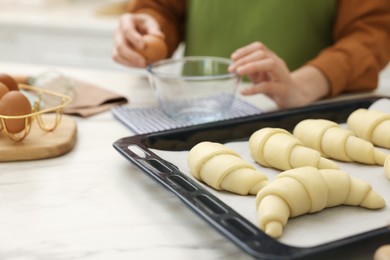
40 144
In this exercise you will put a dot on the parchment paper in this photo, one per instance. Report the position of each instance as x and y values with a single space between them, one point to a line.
317 228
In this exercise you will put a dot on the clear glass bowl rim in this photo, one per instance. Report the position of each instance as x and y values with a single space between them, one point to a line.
227 61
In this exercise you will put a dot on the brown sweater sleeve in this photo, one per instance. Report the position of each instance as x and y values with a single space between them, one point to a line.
170 14
361 49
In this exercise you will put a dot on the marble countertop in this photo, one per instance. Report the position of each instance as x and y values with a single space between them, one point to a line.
91 203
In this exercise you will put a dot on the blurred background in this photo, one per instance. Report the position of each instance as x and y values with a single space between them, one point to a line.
60 32
77 33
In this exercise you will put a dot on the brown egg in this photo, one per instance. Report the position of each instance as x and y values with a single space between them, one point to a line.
9 81
3 89
14 103
155 48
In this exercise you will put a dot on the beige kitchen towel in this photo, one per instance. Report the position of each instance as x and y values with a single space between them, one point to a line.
89 99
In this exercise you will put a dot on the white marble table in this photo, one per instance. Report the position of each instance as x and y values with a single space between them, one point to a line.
92 204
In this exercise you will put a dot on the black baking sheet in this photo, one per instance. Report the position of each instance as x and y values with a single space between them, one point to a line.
138 150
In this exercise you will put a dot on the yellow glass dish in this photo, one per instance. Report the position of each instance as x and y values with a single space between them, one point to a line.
38 110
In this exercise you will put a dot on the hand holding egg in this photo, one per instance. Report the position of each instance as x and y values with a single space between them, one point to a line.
155 48
139 40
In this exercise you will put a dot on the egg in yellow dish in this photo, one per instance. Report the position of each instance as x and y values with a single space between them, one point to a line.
14 103
9 81
3 89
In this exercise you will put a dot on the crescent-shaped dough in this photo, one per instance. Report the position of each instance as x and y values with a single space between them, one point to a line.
387 167
371 125
335 142
277 148
224 169
305 190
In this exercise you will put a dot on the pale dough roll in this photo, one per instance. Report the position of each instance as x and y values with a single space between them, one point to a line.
364 152
203 151
307 189
214 170
313 183
335 183
297 199
274 212
223 169
382 253
333 143
381 135
277 148
250 181
257 141
303 156
371 125
337 143
387 167
312 136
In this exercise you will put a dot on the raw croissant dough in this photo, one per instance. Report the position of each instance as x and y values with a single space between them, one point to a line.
277 148
387 167
224 169
307 190
382 253
371 125
335 142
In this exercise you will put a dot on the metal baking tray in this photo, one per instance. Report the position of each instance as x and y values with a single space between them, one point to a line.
138 150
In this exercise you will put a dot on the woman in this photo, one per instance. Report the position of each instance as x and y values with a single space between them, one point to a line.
295 52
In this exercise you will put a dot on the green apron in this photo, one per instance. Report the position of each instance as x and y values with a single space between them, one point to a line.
296 30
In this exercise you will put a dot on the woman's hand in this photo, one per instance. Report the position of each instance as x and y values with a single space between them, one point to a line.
270 76
128 37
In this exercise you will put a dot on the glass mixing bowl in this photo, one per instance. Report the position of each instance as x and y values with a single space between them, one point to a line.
194 89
